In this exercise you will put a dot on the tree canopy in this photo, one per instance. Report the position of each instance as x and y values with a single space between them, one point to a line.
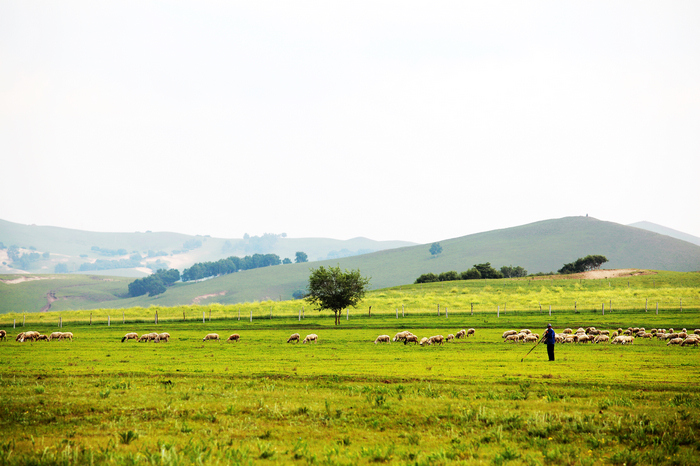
332 289
301 257
583 264
435 249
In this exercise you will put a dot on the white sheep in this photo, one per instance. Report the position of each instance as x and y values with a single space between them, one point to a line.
211 336
437 340
383 339
294 337
234 337
311 337
515 338
128 336
164 337
508 333
411 339
461 334
425 341
471 331
674 341
450 337
601 339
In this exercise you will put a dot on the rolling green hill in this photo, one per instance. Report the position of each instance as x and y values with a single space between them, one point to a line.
538 247
73 248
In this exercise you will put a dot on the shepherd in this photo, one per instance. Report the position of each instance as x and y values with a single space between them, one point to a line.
549 338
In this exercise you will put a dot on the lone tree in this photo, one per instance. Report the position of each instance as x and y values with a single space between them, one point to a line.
336 290
435 249
301 257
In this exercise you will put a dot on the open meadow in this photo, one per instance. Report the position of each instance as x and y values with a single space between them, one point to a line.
345 400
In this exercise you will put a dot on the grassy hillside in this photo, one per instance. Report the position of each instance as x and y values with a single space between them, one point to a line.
538 247
75 247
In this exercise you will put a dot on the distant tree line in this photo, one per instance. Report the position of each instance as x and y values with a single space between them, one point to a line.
101 264
229 265
109 252
583 264
479 271
154 284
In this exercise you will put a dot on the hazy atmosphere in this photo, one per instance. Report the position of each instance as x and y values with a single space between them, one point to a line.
417 121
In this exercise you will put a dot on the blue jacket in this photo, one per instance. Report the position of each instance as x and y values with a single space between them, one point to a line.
549 337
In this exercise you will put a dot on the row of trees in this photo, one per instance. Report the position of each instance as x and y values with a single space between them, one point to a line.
154 284
477 272
583 264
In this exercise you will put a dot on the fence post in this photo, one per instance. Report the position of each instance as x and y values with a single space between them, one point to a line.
369 313
251 315
156 319
438 310
575 303
403 311
91 318
24 319
347 314
611 305
109 321
239 314
204 314
299 315
446 314
60 321
550 310
397 312
14 323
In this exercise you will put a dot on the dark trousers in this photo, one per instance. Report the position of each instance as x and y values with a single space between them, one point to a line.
550 352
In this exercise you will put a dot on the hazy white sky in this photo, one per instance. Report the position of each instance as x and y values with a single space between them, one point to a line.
405 120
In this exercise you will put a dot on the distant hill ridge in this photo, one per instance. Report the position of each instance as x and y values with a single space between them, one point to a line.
538 247
666 231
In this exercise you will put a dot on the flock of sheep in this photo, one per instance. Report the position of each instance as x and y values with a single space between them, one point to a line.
581 335
407 337
617 337
36 336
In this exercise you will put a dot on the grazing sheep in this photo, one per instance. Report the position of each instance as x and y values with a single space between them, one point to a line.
691 341
411 339
234 337
674 341
148 337
622 340
567 331
437 340
19 337
3 335
508 333
449 337
65 335
514 338
471 331
211 336
425 341
164 337
605 332
311 337
295 338
601 339
530 338
55 336
43 337
31 335
461 334
696 331
526 331
128 336
401 336
569 339
383 339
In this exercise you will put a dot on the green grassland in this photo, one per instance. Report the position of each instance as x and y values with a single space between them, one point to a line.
346 400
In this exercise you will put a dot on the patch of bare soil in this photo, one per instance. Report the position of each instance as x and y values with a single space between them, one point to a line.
50 299
199 299
15 281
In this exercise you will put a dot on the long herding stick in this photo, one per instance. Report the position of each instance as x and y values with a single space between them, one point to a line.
538 342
